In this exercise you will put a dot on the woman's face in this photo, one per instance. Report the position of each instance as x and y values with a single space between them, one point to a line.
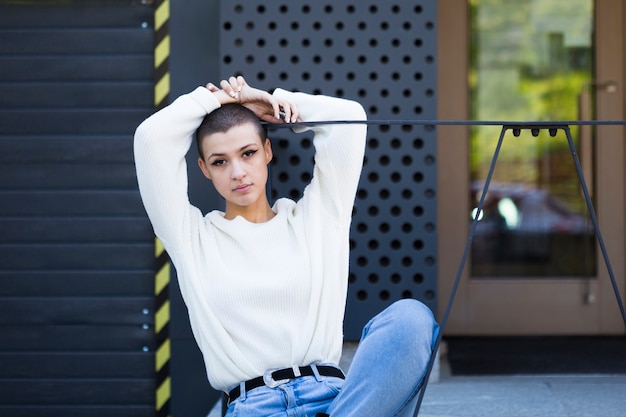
236 162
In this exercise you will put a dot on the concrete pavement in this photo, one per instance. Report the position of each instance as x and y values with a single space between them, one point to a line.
525 396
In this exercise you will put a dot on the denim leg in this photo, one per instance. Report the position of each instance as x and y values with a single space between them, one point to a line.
389 363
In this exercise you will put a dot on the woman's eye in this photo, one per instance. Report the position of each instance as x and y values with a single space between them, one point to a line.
249 153
218 162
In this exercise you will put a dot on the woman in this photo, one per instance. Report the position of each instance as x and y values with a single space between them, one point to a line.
265 286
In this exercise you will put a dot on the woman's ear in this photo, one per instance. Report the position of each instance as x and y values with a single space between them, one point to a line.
203 168
269 153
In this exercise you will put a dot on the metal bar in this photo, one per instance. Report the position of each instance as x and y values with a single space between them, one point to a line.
459 273
511 124
594 219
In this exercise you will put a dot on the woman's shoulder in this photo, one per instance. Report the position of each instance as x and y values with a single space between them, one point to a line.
284 205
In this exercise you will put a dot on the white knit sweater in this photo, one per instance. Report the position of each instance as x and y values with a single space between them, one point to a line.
259 296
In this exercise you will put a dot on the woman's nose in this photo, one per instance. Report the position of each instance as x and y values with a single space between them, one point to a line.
238 170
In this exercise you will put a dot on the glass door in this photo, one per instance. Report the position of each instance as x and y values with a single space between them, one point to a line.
534 266
530 60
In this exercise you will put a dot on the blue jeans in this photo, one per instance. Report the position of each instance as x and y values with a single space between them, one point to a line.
383 380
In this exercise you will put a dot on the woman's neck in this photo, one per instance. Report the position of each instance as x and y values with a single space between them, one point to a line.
254 214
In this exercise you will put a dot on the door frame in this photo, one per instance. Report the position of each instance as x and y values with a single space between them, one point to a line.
483 307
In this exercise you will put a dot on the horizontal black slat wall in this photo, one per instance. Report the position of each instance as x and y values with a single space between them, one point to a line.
76 250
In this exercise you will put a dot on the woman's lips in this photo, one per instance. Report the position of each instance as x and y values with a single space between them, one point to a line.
242 188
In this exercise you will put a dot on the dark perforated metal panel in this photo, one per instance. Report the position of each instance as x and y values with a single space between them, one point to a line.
382 54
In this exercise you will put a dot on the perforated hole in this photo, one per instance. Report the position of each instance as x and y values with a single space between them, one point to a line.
384 56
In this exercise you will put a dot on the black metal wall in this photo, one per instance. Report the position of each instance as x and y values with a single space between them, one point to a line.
382 54
76 249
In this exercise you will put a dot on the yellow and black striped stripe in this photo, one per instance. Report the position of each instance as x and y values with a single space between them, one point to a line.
162 278
161 327
161 53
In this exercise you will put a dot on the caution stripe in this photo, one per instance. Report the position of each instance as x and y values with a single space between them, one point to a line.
162 261
161 53
161 329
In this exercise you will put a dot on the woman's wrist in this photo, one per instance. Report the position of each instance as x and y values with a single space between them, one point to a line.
223 97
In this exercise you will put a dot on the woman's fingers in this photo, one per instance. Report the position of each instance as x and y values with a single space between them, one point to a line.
265 105
241 82
290 112
295 116
234 85
224 85
230 87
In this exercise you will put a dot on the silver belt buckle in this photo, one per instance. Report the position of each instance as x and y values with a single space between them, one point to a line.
269 380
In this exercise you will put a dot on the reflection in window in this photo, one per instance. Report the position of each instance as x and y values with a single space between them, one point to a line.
530 60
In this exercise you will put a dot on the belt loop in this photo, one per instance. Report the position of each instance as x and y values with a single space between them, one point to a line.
296 371
316 372
242 390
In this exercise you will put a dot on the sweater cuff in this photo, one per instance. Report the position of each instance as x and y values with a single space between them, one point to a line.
280 93
205 98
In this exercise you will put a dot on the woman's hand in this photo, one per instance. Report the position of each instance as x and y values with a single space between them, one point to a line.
263 104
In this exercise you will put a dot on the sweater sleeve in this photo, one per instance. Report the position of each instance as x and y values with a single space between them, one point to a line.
339 149
160 145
